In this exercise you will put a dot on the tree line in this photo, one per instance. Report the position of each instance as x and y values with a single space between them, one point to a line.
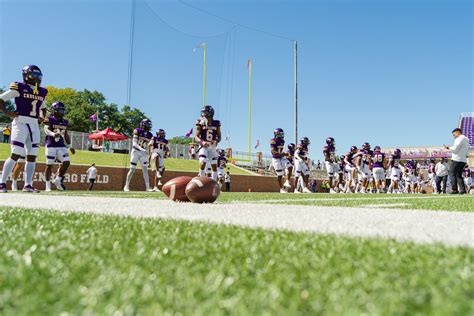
81 104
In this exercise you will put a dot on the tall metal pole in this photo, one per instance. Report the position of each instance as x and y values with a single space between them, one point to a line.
130 53
250 109
204 78
296 91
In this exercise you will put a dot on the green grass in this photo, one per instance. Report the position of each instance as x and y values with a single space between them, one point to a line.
85 157
405 201
53 263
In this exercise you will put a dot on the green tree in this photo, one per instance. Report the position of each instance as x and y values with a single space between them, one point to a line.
10 107
182 140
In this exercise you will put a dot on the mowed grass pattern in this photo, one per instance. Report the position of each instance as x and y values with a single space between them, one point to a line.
463 203
84 157
53 263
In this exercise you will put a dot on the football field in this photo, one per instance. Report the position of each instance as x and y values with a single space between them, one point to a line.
247 254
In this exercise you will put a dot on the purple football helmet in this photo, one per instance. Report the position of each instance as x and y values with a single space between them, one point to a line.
291 146
161 133
305 141
330 141
145 124
366 146
377 148
353 149
32 75
221 152
207 111
342 157
279 133
58 109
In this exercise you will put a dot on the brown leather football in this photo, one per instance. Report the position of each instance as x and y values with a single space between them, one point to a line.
175 188
202 190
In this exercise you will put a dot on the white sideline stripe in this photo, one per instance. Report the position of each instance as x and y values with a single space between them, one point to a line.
368 199
420 226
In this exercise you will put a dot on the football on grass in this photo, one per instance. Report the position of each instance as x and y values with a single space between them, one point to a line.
202 190
175 188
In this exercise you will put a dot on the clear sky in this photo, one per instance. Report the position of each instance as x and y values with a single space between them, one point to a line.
391 72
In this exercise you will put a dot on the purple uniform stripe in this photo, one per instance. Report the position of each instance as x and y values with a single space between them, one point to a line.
50 157
15 143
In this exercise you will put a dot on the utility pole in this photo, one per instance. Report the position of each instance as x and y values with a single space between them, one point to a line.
296 90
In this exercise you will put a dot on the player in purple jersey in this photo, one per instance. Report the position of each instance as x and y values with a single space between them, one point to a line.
57 138
378 168
301 166
279 158
329 152
30 111
290 158
395 172
350 169
158 151
140 142
341 173
208 134
221 165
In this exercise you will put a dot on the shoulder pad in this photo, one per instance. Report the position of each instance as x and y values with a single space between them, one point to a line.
272 142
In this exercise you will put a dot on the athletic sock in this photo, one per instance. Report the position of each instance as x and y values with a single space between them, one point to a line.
146 177
214 175
29 172
129 177
202 173
7 169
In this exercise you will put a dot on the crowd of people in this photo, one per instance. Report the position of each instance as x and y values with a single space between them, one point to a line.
366 170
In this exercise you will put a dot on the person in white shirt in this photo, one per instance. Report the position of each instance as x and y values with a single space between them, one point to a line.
227 181
459 159
441 171
91 176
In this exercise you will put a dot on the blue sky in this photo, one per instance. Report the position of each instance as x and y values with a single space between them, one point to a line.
394 73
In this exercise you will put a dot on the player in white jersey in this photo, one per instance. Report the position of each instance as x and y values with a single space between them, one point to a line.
158 152
30 102
141 140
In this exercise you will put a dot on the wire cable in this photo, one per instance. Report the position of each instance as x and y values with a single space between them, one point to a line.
235 23
180 31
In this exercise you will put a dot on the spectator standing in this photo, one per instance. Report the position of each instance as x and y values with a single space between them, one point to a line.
6 134
227 181
441 171
91 176
313 185
318 166
459 160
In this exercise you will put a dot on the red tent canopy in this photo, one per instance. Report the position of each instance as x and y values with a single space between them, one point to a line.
107 134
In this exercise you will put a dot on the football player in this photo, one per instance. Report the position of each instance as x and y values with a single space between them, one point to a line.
158 151
30 101
221 165
290 161
378 168
350 168
411 176
57 138
363 162
301 165
141 140
208 134
395 172
279 157
341 173
329 152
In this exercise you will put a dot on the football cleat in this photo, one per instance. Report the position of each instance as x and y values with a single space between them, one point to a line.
3 188
126 189
287 184
28 188
283 191
58 184
14 186
306 190
47 186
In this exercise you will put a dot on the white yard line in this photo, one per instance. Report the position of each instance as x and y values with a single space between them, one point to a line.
369 198
420 226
